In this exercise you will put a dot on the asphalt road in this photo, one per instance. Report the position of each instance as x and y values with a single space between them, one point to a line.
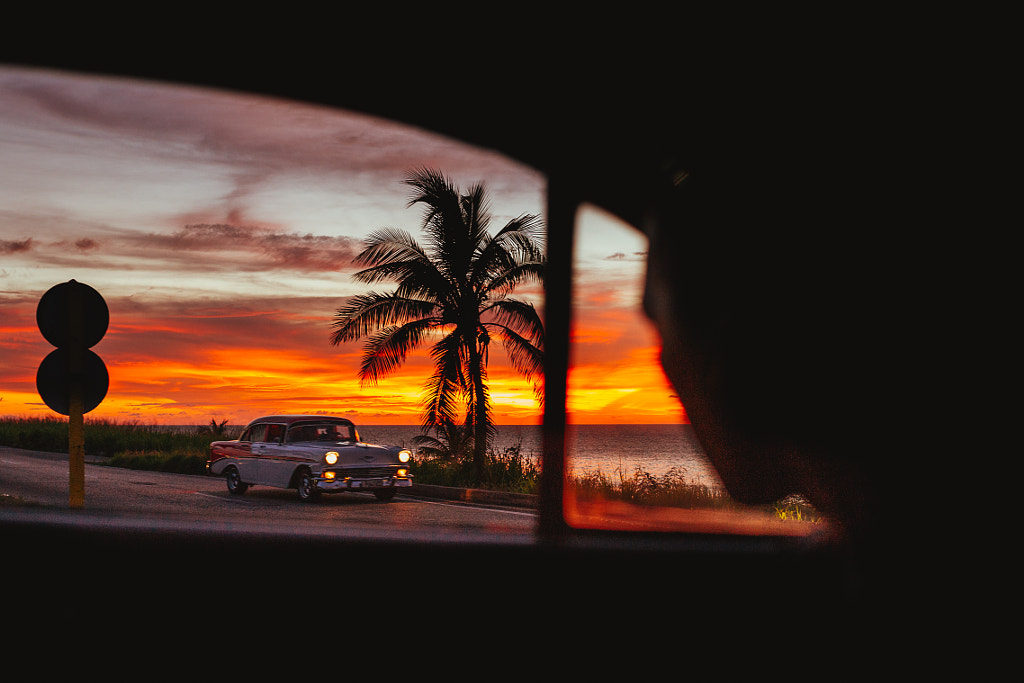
41 480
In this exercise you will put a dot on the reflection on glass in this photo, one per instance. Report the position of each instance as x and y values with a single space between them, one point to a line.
633 461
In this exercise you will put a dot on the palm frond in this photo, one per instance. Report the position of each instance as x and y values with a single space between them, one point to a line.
365 313
394 255
518 316
511 277
526 357
389 244
514 253
385 350
429 445
450 441
476 213
442 207
443 388
525 233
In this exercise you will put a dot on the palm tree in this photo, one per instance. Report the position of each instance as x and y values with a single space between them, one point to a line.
215 427
451 441
455 291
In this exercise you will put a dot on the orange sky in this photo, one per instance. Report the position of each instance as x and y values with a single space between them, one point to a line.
615 375
220 231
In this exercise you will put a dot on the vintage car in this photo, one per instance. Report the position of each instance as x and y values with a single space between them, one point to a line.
311 453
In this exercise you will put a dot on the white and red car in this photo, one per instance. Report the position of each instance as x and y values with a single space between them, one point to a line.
310 453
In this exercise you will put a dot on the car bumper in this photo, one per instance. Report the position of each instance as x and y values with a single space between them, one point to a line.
349 484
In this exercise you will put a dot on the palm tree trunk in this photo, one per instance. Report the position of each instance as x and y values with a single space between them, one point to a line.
479 413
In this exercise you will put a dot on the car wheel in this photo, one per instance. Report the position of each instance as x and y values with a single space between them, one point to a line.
385 494
235 483
307 486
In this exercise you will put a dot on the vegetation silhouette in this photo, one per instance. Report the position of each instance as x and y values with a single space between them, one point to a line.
450 441
455 289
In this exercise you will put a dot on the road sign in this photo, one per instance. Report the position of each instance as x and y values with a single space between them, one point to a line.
61 304
54 381
72 380
73 317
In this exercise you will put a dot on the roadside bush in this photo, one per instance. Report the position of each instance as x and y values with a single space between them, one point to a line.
505 470
672 489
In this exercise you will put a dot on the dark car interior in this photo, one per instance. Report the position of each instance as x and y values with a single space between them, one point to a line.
603 118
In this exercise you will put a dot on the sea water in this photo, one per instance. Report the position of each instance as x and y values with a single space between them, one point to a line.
611 449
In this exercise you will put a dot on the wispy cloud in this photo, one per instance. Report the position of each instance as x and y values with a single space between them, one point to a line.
259 248
15 246
636 257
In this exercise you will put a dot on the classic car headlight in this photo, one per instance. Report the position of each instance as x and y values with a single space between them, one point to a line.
403 456
331 457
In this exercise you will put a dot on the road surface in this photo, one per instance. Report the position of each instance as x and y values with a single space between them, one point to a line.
41 480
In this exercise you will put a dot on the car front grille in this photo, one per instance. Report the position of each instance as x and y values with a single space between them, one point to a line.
365 472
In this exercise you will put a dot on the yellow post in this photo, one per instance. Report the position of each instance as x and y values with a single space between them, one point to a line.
76 419
76 451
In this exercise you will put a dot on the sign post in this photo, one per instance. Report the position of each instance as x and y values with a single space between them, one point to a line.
72 380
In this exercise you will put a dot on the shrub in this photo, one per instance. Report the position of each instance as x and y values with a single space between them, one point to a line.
504 470
671 489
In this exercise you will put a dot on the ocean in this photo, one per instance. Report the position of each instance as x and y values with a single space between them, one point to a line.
610 448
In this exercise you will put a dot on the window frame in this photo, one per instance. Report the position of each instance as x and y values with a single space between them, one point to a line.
761 561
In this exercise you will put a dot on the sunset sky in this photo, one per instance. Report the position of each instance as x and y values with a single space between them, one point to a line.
220 230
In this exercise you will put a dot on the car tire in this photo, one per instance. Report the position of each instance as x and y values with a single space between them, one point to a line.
384 495
306 486
235 484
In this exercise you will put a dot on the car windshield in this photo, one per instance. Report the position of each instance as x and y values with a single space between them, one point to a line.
324 431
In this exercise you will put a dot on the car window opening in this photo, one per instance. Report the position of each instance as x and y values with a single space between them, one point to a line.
651 475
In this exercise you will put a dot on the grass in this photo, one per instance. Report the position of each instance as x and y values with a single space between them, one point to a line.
505 470
671 489
126 444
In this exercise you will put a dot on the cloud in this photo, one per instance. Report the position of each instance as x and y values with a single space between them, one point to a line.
261 248
82 244
639 256
202 248
15 246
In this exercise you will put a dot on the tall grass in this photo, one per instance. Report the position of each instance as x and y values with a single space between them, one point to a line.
671 489
504 470
127 444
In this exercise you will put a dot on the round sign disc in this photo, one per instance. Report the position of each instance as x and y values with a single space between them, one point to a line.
53 314
53 381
